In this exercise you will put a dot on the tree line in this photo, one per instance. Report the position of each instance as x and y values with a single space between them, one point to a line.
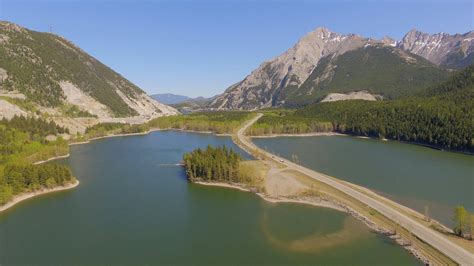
36 127
22 142
285 122
20 178
218 122
23 139
442 116
212 164
427 121
104 129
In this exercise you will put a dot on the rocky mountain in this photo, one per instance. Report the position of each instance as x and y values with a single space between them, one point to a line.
324 62
385 72
51 75
443 49
262 88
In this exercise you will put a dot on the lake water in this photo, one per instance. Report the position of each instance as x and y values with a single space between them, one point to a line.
134 206
412 175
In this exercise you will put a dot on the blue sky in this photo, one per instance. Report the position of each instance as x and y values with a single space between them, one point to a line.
201 47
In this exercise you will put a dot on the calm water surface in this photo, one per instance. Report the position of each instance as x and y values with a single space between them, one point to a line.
409 174
134 206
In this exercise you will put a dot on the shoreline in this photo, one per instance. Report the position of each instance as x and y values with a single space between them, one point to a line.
146 133
19 198
112 136
52 159
324 203
245 143
317 134
312 134
24 196
320 203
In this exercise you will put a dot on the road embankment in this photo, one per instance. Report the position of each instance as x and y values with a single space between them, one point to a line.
422 232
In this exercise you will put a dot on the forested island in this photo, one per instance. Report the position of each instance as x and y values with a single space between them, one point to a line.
212 164
441 117
221 164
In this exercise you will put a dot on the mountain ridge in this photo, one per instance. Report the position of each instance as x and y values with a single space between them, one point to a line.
443 49
53 77
270 84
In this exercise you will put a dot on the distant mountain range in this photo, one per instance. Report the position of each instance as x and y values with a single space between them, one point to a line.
170 98
445 50
324 62
52 75
44 73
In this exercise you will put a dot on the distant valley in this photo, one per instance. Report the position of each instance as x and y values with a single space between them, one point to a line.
184 104
169 98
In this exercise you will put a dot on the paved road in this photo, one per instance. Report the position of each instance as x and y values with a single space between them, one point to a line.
435 239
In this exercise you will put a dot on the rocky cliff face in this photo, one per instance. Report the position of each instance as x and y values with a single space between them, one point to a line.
443 49
278 81
263 87
55 74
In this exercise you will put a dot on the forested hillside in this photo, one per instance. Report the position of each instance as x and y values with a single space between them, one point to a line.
22 142
50 71
35 62
441 117
284 121
380 70
324 62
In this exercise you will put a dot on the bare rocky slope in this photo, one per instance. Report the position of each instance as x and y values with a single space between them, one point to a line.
56 78
443 49
324 62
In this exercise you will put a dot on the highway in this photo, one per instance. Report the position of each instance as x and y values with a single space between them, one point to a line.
435 239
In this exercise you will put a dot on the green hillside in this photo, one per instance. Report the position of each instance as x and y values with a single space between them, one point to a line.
441 116
22 142
36 62
382 70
